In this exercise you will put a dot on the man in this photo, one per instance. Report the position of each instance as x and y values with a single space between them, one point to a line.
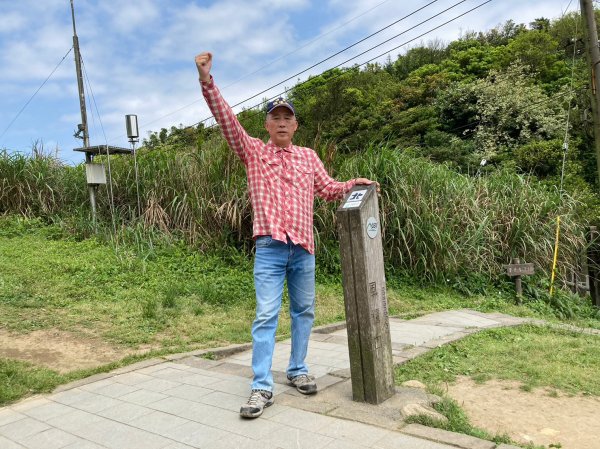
282 182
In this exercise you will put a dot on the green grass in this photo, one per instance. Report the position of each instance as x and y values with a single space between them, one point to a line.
458 421
536 356
19 379
438 224
164 297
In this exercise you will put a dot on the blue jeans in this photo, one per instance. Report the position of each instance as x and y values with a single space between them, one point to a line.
274 261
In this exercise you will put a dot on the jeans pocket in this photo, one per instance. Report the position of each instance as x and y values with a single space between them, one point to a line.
263 241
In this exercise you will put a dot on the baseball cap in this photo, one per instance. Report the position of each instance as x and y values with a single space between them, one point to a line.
280 102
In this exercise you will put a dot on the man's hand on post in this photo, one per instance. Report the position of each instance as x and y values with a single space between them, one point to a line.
366 181
204 64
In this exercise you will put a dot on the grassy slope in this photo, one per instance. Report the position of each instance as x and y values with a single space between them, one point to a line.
535 356
176 298
173 300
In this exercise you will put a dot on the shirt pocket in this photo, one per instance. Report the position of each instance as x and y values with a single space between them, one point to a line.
270 166
303 175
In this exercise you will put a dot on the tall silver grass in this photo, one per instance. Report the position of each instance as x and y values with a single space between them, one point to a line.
436 223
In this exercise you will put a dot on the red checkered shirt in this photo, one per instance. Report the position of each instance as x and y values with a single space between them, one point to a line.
282 182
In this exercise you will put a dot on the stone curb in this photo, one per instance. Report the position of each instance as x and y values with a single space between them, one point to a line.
329 328
101 376
218 353
445 437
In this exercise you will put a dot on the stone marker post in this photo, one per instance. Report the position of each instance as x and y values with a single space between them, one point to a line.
365 298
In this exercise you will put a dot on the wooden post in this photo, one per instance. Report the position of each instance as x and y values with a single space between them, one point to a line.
518 285
593 263
593 53
517 269
365 298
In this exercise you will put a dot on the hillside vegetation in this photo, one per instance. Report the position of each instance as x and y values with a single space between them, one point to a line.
420 124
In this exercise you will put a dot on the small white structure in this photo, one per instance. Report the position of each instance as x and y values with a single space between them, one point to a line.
95 174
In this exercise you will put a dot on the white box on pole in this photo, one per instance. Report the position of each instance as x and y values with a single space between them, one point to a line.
95 174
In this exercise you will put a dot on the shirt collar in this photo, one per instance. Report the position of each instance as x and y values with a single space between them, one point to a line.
277 149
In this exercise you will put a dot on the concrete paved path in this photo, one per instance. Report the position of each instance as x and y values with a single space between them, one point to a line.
192 402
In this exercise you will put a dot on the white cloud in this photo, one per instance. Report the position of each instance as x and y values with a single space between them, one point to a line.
129 17
139 55
11 22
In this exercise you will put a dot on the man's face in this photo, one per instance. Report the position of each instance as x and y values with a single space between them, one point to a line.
281 125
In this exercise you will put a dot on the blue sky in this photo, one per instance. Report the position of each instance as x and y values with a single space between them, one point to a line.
139 55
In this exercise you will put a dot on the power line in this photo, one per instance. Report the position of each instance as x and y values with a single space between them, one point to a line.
35 93
277 59
568 113
110 184
542 102
357 66
360 54
341 51
567 8
93 98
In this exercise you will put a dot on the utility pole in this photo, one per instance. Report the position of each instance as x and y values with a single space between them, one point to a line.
593 52
83 127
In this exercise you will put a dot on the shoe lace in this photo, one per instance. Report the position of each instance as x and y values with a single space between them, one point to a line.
255 396
303 378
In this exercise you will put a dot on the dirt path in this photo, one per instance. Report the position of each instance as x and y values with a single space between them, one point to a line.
58 350
500 406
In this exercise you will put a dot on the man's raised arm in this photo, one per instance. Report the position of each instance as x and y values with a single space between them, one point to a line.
236 136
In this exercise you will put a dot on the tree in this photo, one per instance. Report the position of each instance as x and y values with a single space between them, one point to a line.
539 53
512 111
433 53
540 24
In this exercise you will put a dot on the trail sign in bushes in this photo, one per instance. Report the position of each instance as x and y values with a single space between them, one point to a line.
517 269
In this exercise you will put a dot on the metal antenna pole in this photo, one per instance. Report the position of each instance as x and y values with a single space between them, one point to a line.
137 179
133 134
84 125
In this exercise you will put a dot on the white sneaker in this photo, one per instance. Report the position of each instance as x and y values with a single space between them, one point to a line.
304 383
258 400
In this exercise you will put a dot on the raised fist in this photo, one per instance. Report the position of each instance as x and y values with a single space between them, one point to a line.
204 64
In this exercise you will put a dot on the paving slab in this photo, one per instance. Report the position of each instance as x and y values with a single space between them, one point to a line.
23 428
196 434
416 334
46 411
457 318
5 443
184 401
50 439
84 444
395 441
125 412
10 415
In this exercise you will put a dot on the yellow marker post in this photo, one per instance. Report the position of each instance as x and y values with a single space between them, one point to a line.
555 256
